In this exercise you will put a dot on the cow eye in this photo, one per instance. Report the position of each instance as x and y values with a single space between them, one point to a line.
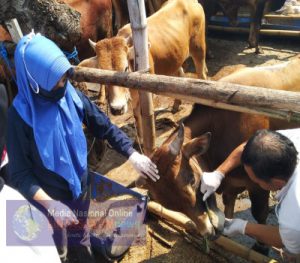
192 182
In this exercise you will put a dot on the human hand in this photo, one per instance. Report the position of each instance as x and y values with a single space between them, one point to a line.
210 183
61 213
233 227
144 166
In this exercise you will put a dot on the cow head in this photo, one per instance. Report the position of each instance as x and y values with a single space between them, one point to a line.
179 185
230 9
112 54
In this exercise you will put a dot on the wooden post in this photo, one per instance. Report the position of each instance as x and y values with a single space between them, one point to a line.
14 29
138 22
273 103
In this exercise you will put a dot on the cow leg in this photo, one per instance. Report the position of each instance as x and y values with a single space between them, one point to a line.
151 7
102 95
260 209
229 197
198 52
256 15
118 13
177 102
137 114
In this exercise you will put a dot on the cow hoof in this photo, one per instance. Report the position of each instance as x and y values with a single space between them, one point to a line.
259 51
261 248
176 106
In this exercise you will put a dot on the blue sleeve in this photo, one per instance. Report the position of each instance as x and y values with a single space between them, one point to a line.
101 127
21 175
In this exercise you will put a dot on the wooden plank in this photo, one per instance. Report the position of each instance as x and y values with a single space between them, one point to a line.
274 103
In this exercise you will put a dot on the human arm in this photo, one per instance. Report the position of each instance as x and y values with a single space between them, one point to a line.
101 127
61 213
210 181
232 161
22 177
20 166
266 234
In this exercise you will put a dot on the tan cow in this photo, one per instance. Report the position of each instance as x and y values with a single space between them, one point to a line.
283 76
175 32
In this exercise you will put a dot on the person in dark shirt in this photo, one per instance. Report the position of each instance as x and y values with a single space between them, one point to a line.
46 144
3 120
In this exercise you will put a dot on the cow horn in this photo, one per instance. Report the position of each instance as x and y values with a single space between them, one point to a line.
92 44
176 144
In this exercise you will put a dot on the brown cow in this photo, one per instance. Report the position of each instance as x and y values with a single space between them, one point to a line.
177 188
181 33
178 171
121 17
258 9
7 75
95 22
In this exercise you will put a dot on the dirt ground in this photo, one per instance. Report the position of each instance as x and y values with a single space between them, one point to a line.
228 50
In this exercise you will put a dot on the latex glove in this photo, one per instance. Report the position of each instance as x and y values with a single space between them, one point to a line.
144 166
61 213
233 227
210 183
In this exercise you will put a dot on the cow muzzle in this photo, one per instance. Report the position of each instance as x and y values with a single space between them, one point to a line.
118 110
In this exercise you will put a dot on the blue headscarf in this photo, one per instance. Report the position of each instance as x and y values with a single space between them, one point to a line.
57 126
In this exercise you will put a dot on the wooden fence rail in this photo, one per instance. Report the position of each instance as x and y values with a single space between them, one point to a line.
272 103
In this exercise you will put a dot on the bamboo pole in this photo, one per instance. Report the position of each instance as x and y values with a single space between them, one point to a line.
138 23
268 32
273 103
224 242
176 218
14 29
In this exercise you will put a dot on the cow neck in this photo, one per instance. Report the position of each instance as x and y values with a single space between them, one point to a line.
198 121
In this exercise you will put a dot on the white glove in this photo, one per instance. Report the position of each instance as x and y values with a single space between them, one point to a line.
145 167
210 183
233 227
61 213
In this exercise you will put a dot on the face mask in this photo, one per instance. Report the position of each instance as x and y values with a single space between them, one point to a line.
53 95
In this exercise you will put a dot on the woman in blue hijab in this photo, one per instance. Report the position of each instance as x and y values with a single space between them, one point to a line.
46 144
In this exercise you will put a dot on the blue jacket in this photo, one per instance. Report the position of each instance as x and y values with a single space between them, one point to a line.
26 171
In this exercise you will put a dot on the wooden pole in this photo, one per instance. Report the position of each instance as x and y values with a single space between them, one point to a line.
176 218
138 23
273 103
14 29
224 242
268 32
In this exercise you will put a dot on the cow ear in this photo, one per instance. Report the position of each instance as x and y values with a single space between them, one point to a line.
198 145
176 144
130 53
89 62
129 41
